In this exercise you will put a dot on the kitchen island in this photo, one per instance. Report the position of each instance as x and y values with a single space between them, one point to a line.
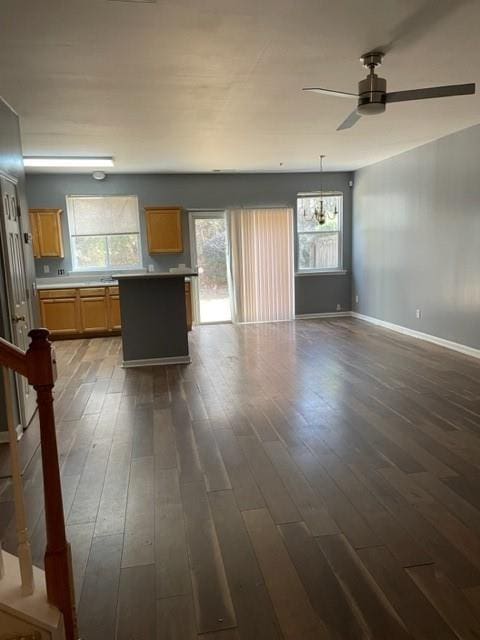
153 313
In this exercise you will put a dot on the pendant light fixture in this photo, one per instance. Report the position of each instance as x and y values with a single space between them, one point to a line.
321 211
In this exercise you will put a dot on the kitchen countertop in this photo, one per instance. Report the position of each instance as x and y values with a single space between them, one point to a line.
74 283
156 276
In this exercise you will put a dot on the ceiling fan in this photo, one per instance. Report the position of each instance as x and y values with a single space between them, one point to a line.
373 97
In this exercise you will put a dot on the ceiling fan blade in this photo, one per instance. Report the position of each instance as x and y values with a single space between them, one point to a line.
349 121
329 92
431 92
422 21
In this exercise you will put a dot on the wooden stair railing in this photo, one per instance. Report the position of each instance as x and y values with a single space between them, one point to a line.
37 364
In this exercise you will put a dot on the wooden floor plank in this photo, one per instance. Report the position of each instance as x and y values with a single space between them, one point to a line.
377 613
113 501
176 619
87 498
137 615
215 474
449 601
171 556
420 618
254 612
244 486
80 538
213 604
98 600
138 548
348 519
308 502
325 592
276 496
293 608
164 439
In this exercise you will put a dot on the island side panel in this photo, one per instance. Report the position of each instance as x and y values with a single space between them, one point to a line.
154 321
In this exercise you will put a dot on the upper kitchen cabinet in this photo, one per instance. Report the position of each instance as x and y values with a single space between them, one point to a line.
164 229
46 226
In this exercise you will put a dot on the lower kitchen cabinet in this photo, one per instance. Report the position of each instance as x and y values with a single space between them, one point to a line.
114 318
88 310
93 315
60 315
80 311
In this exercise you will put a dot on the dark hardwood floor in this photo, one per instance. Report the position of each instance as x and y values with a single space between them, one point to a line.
308 480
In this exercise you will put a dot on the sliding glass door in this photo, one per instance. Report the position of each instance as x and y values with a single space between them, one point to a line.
211 294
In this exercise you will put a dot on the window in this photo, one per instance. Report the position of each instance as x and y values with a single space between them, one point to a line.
319 246
104 232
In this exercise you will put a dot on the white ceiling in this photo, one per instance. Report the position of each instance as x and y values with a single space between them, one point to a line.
198 85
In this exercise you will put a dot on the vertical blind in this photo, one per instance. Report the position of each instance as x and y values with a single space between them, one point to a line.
261 264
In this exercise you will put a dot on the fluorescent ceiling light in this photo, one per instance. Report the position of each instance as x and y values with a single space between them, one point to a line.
59 161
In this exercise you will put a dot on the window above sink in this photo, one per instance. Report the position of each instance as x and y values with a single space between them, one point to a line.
104 233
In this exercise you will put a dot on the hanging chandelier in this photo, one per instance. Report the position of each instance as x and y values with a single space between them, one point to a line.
320 211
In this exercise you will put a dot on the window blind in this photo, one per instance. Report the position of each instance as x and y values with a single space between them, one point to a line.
105 215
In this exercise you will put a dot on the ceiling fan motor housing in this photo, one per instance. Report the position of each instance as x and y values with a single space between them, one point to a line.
371 95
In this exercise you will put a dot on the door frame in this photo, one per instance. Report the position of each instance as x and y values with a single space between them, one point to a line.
194 214
25 413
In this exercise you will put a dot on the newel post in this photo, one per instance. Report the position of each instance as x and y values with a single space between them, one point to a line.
41 374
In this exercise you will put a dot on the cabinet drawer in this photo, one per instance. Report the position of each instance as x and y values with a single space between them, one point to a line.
57 293
91 292
113 291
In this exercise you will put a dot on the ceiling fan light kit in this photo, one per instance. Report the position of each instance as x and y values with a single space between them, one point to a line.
372 96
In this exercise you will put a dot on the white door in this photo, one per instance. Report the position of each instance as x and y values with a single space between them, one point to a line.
17 290
211 291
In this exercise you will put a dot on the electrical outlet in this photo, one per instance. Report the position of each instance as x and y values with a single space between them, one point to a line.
339 307
61 272
356 299
151 268
418 314
46 268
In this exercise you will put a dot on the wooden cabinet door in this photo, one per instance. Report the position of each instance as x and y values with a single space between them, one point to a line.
60 315
114 318
34 231
164 229
47 233
93 313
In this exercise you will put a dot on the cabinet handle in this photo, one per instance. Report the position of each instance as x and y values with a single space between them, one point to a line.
19 318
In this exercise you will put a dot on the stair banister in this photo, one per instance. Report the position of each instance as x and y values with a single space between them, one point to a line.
23 548
38 366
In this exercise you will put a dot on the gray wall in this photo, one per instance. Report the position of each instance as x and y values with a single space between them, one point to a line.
314 294
416 238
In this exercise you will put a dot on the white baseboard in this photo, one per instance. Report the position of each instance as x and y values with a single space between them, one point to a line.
331 314
5 438
152 362
448 344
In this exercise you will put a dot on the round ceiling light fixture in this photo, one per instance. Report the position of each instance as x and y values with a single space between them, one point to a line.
99 175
